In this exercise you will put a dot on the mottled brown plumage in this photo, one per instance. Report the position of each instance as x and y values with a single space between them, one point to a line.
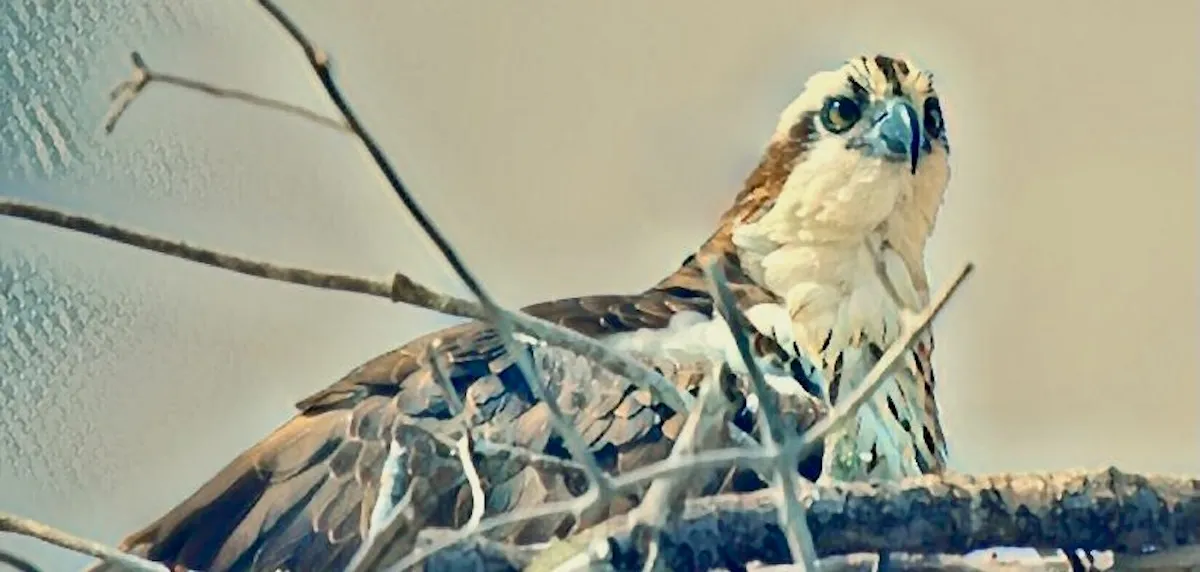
301 499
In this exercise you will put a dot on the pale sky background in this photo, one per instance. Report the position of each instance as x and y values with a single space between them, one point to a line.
567 149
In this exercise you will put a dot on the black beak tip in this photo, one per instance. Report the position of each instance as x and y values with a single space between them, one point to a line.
898 133
914 144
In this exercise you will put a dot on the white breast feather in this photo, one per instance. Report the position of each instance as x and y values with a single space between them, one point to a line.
691 336
811 249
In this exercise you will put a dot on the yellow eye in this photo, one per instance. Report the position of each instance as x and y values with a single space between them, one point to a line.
840 113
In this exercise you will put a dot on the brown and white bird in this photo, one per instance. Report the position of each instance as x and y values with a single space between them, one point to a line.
843 245
824 249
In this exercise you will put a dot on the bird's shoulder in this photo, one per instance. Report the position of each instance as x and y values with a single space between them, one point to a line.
302 498
475 350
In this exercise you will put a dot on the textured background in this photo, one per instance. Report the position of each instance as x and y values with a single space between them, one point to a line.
567 149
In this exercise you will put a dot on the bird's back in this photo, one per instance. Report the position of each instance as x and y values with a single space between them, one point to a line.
302 498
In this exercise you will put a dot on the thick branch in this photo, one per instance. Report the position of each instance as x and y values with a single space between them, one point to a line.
948 514
481 554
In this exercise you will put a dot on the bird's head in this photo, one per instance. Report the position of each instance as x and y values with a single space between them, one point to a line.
863 148
861 156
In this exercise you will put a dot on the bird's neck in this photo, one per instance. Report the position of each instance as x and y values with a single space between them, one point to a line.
839 291
691 278
827 279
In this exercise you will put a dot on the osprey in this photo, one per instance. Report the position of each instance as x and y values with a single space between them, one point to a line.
824 249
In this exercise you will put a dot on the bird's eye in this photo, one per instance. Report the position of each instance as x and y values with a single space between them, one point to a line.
840 113
933 118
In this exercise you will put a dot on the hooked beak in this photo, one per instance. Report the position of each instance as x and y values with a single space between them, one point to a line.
895 133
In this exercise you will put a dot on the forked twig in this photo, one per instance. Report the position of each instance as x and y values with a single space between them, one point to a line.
127 91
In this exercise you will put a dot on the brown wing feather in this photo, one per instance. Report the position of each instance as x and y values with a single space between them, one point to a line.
301 498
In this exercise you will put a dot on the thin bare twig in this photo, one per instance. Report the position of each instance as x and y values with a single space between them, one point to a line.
120 560
464 448
889 287
457 407
466 445
664 499
724 458
393 485
385 519
531 458
771 427
502 320
757 457
401 289
127 91
750 457
846 409
421 553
